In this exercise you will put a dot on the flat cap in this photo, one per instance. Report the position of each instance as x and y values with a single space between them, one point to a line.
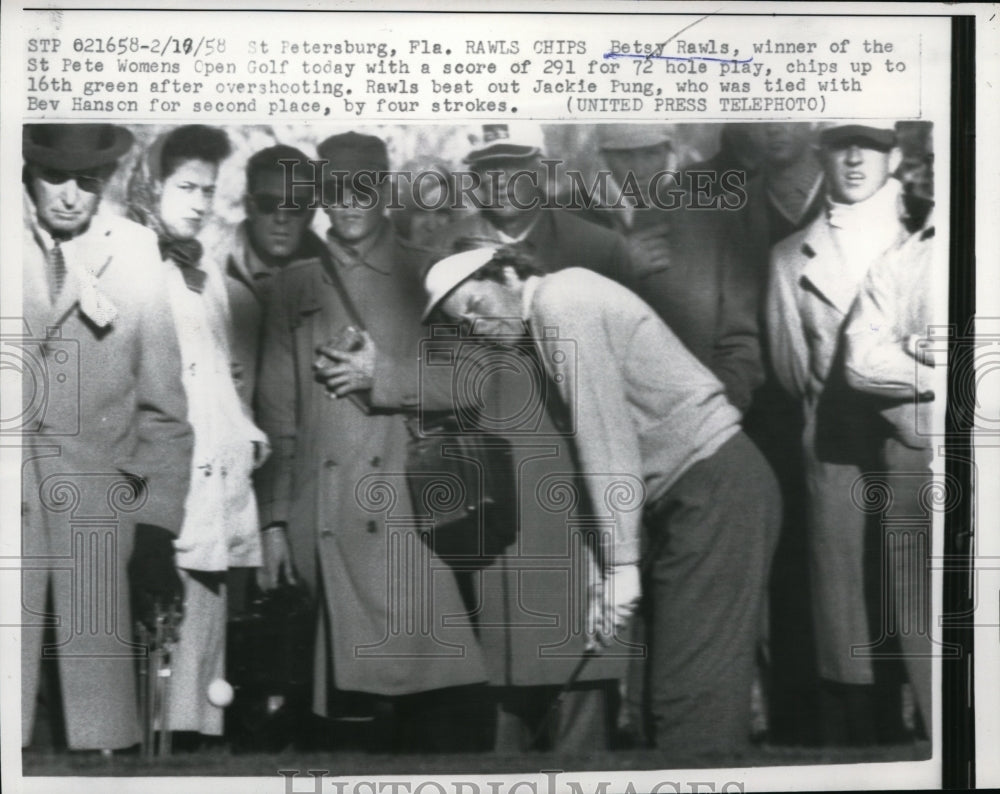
352 151
843 134
632 136
510 140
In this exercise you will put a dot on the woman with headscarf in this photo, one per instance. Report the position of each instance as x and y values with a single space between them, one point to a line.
171 192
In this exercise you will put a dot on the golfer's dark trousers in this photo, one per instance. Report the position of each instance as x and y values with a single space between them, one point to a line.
711 540
580 723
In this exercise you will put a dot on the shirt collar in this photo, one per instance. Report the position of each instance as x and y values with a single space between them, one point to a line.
531 284
372 251
508 239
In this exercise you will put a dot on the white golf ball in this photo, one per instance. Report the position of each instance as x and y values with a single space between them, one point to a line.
220 693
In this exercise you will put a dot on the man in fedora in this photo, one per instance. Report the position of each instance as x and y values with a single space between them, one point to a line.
107 446
815 277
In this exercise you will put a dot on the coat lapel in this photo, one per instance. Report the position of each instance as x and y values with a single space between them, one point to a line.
236 263
244 266
310 276
835 278
825 269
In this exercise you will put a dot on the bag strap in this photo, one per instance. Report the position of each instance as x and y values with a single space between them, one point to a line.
345 297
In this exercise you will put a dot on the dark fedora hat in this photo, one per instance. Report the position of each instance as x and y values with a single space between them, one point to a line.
74 147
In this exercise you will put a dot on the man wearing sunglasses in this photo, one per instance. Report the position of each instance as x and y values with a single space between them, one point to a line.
275 234
104 424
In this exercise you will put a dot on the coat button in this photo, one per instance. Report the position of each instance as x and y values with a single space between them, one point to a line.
329 463
372 526
376 461
326 533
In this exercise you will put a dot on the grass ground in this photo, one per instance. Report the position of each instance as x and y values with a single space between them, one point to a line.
220 762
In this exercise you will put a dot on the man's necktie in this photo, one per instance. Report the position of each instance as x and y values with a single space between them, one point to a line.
57 271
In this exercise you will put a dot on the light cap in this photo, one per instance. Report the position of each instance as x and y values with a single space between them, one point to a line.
447 274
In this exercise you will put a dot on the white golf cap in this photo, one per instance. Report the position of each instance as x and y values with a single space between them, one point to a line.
451 271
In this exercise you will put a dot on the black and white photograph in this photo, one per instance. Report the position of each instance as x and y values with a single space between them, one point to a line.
566 398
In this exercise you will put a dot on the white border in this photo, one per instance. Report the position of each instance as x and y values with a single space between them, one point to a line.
899 775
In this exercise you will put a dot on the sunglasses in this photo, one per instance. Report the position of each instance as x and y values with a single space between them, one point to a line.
268 204
88 182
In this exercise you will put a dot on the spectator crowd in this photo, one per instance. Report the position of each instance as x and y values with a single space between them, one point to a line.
683 378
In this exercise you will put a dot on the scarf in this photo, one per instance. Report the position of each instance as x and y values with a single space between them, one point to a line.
883 205
143 202
867 229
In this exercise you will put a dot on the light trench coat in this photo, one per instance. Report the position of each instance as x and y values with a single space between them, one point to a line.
221 526
897 304
104 400
812 288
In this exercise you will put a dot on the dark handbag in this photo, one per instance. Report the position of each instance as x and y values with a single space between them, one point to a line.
269 660
465 483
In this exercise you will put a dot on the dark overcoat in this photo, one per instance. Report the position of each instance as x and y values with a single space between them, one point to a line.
709 294
248 282
395 622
